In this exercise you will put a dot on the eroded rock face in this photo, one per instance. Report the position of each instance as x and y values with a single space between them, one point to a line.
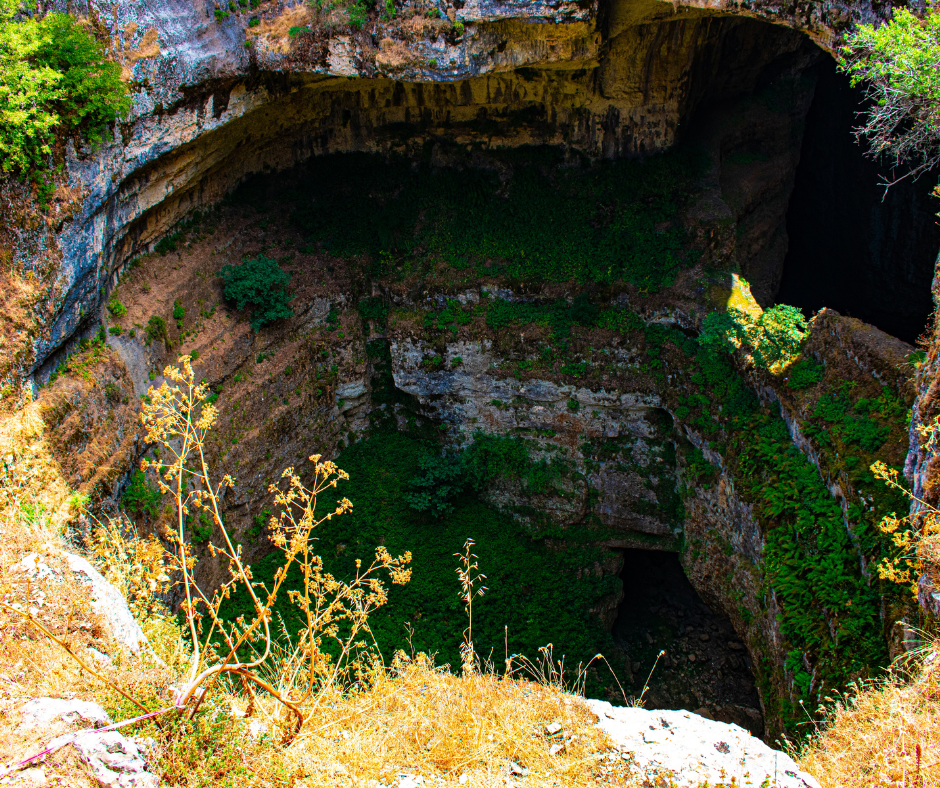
687 750
217 98
606 82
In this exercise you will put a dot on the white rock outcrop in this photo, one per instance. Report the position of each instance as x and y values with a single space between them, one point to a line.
687 751
41 711
114 759
109 604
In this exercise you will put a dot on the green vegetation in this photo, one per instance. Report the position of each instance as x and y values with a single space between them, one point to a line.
141 497
804 373
533 593
54 82
260 284
601 223
558 314
116 308
827 605
156 329
897 65
775 336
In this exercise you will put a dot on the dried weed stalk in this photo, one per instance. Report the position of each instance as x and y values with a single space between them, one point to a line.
883 733
916 535
471 587
179 419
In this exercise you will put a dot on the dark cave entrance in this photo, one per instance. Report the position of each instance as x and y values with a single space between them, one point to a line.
850 250
706 668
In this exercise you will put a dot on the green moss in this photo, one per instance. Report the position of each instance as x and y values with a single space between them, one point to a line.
601 223
534 591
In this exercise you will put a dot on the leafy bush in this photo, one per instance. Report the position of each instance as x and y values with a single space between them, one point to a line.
438 480
54 78
261 284
142 497
116 308
804 374
698 469
179 311
156 329
897 64
169 243
774 336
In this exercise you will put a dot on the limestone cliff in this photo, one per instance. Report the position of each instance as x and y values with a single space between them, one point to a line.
653 455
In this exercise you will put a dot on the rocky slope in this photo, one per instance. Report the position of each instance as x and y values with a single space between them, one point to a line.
219 94
653 456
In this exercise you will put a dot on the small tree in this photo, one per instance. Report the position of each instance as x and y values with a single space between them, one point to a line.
259 283
53 75
899 66
775 336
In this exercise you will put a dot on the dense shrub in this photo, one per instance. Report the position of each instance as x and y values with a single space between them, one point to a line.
156 329
897 65
54 78
774 336
142 497
258 283
603 223
805 373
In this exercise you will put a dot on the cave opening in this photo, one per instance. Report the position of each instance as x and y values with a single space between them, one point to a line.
853 248
705 668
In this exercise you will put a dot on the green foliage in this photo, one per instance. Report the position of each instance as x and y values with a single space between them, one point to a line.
828 606
54 79
805 373
558 314
698 470
438 481
601 223
492 457
864 424
200 528
622 320
897 63
812 561
142 497
169 243
156 329
373 309
357 13
179 311
261 284
449 318
775 336
116 308
535 592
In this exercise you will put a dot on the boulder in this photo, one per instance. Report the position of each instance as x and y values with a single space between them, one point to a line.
689 750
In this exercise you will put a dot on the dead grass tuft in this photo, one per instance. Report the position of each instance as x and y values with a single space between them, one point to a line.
422 720
887 733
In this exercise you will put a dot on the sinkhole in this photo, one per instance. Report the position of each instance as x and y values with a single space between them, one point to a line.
706 668
852 247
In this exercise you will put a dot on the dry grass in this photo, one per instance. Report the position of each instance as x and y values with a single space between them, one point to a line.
885 734
413 718
425 721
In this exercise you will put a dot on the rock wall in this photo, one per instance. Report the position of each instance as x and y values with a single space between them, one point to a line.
221 95
217 100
